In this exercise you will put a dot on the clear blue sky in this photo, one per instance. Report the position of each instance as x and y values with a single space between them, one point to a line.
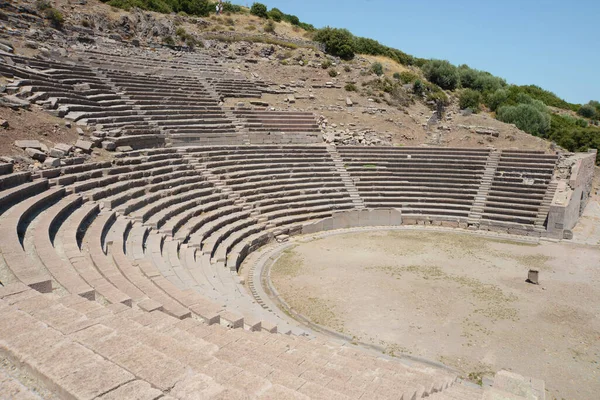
550 43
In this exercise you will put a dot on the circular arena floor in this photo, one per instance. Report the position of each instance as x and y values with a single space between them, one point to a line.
459 299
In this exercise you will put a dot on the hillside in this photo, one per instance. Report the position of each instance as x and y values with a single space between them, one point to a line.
354 101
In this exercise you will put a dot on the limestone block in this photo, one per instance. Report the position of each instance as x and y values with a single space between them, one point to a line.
396 217
35 154
32 144
328 224
313 227
52 162
345 219
84 145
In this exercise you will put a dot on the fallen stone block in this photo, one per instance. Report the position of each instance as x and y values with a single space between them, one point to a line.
56 153
349 102
35 154
4 123
64 147
51 162
124 149
32 144
108 145
84 145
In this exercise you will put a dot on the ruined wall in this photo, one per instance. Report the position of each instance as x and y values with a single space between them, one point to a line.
572 195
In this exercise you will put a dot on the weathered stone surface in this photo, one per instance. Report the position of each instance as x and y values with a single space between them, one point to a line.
349 102
108 145
52 162
35 154
64 147
56 153
84 145
124 149
32 144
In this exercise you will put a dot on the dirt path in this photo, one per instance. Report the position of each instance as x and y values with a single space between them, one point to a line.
458 299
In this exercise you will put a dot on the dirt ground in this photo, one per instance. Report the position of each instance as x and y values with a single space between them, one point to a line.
459 299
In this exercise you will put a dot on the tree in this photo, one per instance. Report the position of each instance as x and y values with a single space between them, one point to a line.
259 9
276 15
531 118
470 99
338 42
442 73
587 111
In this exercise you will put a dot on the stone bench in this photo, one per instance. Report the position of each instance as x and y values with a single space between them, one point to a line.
8 197
63 272
72 236
13 227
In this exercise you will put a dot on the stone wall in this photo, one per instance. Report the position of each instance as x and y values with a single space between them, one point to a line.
571 197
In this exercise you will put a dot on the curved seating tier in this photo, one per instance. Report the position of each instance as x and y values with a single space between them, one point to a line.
142 253
139 100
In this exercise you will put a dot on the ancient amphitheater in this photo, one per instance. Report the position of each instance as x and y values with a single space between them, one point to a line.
121 276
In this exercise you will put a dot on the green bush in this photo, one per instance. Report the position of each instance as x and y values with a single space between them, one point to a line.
396 76
326 64
567 132
408 77
442 73
347 68
338 42
259 9
332 72
42 5
418 87
377 69
587 111
231 8
168 40
496 99
55 17
531 118
276 15
292 19
547 97
269 27
470 99
350 87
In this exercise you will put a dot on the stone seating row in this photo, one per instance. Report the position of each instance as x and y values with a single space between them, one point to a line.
518 192
111 352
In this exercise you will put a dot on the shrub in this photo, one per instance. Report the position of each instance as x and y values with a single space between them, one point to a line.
469 98
168 40
332 72
347 68
42 5
377 68
496 99
442 73
270 27
229 21
350 87
276 15
259 9
408 77
292 19
231 8
181 32
418 87
587 111
250 28
396 76
531 118
55 17
338 42
326 64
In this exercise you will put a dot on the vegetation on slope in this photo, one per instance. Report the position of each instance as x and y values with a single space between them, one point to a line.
528 106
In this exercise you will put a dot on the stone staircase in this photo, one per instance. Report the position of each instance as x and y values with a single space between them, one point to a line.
346 178
484 189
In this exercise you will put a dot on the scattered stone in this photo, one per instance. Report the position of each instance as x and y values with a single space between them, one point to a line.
80 131
63 147
84 145
124 149
4 123
68 124
291 99
349 102
57 153
51 162
108 145
35 154
33 144
14 102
